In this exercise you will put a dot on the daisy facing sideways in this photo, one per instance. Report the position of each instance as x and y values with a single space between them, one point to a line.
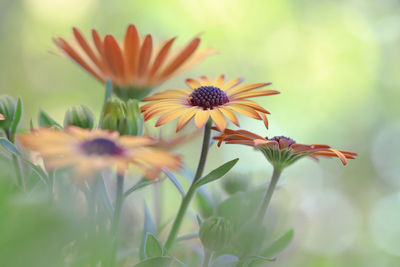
135 65
281 151
206 99
89 151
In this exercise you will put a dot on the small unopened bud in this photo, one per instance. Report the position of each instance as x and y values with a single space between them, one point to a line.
79 116
216 233
7 110
124 117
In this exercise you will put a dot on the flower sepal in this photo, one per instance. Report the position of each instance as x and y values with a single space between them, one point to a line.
131 92
280 158
124 117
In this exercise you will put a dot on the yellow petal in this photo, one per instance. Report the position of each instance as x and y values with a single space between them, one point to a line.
185 118
245 110
205 81
201 117
231 83
219 81
169 116
218 119
230 115
193 83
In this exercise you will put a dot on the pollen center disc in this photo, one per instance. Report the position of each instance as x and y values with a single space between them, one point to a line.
208 97
101 146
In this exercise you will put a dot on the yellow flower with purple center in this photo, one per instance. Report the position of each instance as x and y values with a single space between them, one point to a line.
281 151
136 65
91 151
206 99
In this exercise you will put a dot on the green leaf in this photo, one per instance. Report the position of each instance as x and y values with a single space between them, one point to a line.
152 262
217 173
279 245
142 183
17 118
153 247
174 181
46 121
10 147
149 227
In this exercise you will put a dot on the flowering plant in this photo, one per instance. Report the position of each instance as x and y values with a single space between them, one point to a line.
99 158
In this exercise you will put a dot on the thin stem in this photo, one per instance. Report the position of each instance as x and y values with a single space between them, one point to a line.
268 195
187 198
117 216
18 172
207 257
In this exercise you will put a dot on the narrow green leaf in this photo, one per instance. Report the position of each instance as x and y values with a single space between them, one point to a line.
46 121
142 183
174 181
149 227
217 173
279 245
17 118
153 247
10 147
153 262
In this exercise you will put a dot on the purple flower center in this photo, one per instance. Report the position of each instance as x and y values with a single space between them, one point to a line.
283 140
102 147
208 97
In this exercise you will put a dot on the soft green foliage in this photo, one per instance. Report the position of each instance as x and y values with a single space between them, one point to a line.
8 107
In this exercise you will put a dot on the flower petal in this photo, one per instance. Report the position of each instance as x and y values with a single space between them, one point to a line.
201 118
145 55
218 119
131 51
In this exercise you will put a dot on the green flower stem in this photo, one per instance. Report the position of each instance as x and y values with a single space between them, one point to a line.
207 257
18 171
192 189
117 216
268 195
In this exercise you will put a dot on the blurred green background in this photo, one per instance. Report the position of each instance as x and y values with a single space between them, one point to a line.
336 63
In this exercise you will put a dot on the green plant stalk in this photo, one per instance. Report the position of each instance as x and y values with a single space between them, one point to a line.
192 189
268 195
16 163
116 218
207 257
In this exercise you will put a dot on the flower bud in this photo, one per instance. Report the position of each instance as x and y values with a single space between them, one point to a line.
79 116
235 183
124 117
216 233
7 109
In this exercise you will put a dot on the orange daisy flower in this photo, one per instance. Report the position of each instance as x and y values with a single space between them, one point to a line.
90 151
136 65
2 118
280 150
205 98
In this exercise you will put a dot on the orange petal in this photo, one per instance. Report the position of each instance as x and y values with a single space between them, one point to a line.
231 84
181 58
201 118
169 116
254 94
62 44
161 56
113 57
85 46
218 119
185 118
245 110
265 119
230 115
131 51
251 104
145 55
246 87
193 83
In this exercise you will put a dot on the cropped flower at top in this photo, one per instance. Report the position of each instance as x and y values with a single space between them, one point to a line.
205 98
136 65
89 151
281 151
